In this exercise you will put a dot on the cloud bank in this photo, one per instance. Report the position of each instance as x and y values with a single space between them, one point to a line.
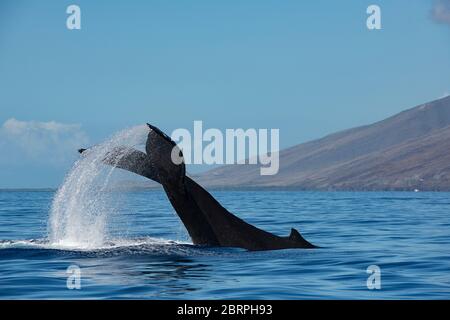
39 142
441 11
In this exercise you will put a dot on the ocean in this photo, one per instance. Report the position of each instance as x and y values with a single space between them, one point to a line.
140 250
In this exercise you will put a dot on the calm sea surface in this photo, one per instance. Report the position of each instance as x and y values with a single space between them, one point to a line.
148 255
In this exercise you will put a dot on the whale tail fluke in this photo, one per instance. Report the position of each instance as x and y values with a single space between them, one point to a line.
129 159
166 157
206 220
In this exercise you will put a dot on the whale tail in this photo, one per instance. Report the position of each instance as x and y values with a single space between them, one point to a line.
165 157
206 220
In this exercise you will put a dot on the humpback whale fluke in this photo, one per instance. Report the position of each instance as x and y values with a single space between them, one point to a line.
206 220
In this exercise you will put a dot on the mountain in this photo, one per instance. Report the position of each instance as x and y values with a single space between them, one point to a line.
408 151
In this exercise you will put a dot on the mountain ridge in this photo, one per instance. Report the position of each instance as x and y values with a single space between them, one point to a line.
368 157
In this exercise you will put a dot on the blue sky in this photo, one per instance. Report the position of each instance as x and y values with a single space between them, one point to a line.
308 68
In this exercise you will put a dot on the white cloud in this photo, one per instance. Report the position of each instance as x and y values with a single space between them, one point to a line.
42 142
441 11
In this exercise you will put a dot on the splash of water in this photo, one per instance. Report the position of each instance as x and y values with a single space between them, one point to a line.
84 202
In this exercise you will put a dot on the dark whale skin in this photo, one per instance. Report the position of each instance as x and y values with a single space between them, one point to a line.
206 220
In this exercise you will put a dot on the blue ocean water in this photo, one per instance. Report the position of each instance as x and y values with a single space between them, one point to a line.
147 254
